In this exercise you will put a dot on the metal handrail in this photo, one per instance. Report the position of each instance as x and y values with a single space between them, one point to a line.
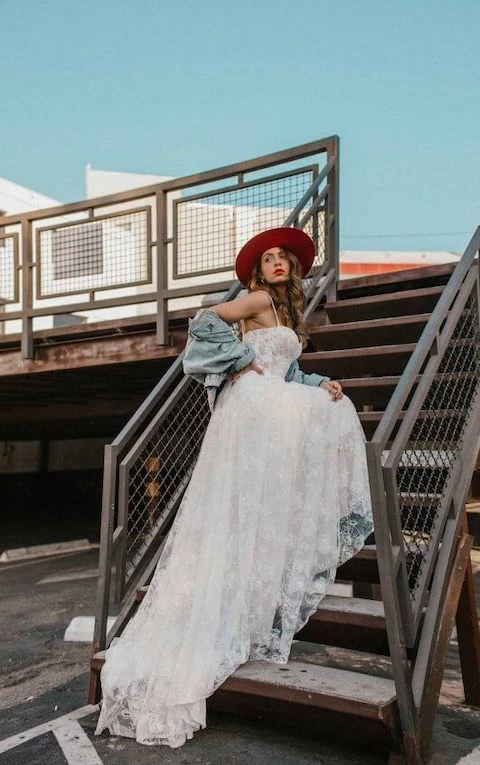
293 217
412 617
430 348
437 338
219 173
424 345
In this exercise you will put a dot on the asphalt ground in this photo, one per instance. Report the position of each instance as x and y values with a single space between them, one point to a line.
43 679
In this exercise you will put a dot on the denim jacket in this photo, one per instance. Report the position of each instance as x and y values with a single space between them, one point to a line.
213 352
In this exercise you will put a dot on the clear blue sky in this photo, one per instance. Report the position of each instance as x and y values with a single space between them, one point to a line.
178 87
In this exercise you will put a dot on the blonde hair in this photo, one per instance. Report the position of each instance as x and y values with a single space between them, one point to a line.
290 310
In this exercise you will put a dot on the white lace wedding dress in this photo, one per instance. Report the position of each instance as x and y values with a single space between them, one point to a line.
278 498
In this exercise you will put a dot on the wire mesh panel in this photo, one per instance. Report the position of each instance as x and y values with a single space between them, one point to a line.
9 287
209 230
97 254
315 228
436 442
162 468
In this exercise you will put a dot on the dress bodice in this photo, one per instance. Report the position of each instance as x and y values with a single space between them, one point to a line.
275 348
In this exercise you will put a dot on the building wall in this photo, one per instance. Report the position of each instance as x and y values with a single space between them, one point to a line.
99 183
17 199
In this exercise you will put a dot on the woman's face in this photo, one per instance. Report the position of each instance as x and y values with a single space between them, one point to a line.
275 266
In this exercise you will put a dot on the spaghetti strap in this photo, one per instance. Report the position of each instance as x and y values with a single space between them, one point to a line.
275 312
241 322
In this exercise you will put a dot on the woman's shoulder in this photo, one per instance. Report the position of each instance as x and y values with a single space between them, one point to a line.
259 299
243 307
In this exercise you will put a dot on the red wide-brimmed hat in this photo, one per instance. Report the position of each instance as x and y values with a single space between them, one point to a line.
293 239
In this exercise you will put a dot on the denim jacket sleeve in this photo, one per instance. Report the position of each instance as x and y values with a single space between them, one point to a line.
213 347
213 352
295 374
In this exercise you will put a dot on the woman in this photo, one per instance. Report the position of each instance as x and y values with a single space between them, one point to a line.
278 498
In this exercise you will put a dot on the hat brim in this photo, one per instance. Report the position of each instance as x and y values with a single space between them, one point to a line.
293 239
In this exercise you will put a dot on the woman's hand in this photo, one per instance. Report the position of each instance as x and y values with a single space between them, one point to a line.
252 367
334 388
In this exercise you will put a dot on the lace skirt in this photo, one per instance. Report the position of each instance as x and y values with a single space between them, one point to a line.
278 498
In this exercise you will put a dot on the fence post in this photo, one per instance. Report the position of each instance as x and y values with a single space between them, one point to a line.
161 197
332 214
396 637
27 289
106 545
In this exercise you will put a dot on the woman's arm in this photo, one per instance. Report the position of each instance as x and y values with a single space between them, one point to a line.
243 307
295 374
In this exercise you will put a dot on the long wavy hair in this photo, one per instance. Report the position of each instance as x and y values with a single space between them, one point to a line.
290 309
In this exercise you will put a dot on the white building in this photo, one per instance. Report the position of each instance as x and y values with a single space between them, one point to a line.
18 199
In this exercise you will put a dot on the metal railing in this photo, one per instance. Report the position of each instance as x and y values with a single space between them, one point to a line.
148 466
159 248
420 460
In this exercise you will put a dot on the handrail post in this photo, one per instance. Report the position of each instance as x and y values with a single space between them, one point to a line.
468 632
315 216
392 606
27 289
106 545
332 214
161 198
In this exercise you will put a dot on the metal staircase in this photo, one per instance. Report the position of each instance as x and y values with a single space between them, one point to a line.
407 349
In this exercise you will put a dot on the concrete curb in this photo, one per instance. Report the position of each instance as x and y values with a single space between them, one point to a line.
43 551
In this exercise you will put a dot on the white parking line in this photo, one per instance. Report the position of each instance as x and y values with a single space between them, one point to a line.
69 576
76 745
51 726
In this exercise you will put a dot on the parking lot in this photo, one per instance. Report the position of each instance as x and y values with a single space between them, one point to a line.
44 715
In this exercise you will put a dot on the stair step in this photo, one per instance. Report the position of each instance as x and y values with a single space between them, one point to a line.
356 623
311 694
397 329
313 697
362 567
374 392
370 421
380 360
402 303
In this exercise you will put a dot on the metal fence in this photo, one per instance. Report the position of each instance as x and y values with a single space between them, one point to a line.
163 247
154 474
148 466
105 253
209 228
